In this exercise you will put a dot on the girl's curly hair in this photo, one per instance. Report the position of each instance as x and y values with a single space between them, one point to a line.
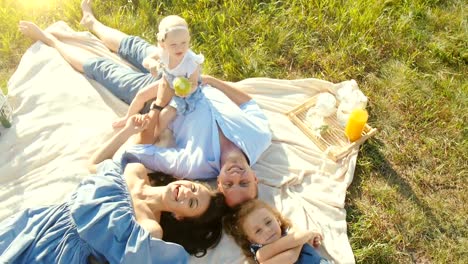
233 222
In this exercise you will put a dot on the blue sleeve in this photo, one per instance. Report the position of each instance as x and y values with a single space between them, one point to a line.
252 109
173 161
104 217
109 167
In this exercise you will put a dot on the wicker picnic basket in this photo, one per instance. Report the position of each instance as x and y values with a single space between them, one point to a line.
333 141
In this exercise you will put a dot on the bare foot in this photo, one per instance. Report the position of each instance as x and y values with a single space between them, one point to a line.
88 18
61 30
31 30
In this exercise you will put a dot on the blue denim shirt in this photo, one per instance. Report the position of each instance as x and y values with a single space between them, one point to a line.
197 152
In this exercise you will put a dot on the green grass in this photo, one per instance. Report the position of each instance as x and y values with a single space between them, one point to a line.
407 203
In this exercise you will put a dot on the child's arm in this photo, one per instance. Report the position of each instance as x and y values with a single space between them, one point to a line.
194 79
230 90
151 62
143 95
286 243
288 256
316 239
144 216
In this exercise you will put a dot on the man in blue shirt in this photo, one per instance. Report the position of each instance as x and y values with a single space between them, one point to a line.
221 138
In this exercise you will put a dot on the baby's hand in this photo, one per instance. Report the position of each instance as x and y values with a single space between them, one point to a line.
154 67
119 122
316 240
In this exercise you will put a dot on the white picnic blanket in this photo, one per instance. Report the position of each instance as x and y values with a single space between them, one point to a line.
60 117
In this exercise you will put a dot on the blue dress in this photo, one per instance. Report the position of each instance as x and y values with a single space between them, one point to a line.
98 220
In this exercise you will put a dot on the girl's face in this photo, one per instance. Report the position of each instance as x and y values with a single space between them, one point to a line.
176 43
187 199
262 227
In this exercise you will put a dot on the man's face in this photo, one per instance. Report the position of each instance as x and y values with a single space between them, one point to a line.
238 182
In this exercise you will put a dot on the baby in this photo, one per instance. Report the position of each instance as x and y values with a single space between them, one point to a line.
177 62
254 225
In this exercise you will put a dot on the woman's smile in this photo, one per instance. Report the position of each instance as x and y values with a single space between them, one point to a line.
176 193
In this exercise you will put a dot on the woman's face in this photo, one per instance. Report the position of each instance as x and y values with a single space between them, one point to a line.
261 227
187 199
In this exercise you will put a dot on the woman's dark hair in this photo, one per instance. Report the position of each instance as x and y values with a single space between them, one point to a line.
198 234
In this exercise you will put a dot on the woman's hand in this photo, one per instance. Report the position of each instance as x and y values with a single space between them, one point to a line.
136 123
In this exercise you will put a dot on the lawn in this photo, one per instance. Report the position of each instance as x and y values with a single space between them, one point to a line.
407 203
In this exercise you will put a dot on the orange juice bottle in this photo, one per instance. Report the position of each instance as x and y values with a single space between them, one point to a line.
356 122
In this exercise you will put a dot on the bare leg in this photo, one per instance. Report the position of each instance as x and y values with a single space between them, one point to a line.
111 37
166 116
73 55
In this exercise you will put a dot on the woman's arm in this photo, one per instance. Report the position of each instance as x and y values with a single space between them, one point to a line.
292 240
136 174
147 93
134 124
236 95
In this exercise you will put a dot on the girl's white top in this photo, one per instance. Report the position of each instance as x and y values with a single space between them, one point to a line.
186 67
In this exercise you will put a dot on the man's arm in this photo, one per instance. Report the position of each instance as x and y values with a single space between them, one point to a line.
134 125
286 243
230 90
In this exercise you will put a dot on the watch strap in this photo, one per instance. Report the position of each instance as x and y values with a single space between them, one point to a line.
154 106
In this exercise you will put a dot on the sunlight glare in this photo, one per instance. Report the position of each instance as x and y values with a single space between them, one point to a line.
34 4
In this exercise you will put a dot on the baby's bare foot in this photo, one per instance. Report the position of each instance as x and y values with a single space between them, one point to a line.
32 31
88 18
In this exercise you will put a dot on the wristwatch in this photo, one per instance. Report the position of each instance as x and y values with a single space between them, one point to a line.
154 106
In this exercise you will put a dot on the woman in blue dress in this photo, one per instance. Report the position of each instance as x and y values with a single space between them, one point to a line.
117 217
